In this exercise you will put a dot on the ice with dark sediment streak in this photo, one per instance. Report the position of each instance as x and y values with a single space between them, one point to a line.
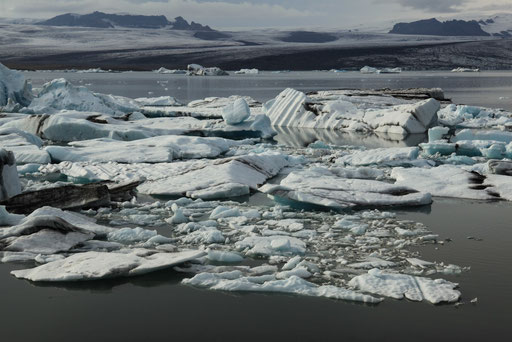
99 265
322 187
9 180
206 179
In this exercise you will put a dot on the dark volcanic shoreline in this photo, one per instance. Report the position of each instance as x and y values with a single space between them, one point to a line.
486 55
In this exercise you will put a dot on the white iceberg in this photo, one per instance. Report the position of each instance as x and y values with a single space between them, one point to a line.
381 156
25 146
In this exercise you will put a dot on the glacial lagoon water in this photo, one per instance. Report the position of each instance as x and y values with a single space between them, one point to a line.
156 305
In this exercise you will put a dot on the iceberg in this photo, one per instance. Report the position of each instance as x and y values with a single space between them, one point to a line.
162 101
292 108
237 112
99 265
398 286
60 94
369 70
163 70
14 88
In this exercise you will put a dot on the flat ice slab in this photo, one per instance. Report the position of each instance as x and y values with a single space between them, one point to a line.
398 286
149 150
100 265
323 188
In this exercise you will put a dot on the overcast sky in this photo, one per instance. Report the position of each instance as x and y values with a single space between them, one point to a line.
264 13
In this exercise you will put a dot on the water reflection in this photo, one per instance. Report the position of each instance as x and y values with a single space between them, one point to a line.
302 137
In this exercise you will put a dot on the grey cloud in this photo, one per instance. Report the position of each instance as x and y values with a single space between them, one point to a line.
437 6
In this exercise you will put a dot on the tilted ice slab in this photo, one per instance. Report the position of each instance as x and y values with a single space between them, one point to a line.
60 94
291 285
398 286
14 89
9 180
162 101
221 178
381 156
454 181
292 108
100 265
25 146
149 150
322 187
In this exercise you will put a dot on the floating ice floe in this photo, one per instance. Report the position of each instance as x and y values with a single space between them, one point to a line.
369 70
25 146
247 72
93 71
199 70
163 70
291 285
323 188
14 89
292 108
149 150
100 265
461 69
60 94
9 180
398 286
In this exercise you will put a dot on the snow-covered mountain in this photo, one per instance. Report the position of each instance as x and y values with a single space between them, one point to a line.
105 20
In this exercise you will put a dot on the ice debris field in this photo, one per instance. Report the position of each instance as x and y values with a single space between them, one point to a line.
99 186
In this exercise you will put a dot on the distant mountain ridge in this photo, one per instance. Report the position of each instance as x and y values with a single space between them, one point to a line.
435 27
105 20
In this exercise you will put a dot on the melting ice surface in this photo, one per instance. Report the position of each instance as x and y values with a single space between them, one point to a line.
324 230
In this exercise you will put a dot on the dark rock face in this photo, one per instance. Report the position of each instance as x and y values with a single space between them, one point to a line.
308 37
436 28
104 20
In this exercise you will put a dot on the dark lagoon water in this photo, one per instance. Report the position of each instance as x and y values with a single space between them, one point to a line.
489 89
156 307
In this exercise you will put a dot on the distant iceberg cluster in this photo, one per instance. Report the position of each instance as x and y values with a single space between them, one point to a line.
85 178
